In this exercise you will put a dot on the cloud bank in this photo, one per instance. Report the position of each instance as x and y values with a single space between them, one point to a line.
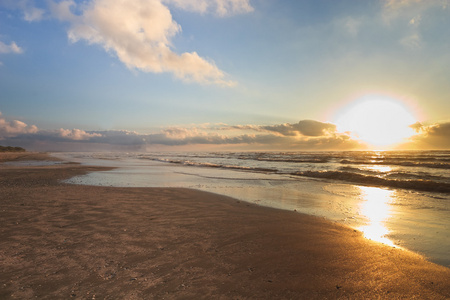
434 136
304 135
16 130
305 127
139 33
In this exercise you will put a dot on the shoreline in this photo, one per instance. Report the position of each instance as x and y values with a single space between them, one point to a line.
411 220
60 240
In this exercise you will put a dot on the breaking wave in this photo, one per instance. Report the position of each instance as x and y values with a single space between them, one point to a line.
420 185
415 170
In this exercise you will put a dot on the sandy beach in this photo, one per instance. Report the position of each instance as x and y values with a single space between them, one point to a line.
60 241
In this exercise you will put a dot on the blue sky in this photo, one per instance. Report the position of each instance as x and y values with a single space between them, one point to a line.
216 74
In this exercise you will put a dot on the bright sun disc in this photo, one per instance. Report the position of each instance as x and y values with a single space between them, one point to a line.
378 121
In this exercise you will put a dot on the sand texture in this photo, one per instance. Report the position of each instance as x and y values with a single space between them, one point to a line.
60 241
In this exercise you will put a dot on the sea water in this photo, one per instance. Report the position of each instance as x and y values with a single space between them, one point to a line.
400 198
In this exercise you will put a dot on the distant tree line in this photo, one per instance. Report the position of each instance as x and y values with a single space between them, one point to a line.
11 149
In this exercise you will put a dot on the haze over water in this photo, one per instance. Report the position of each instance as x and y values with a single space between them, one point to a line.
397 198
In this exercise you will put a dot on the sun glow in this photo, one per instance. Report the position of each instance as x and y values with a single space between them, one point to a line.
377 121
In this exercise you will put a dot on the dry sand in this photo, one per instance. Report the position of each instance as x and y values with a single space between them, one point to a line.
59 241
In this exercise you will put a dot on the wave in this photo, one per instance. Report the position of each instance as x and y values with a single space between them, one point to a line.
424 171
274 157
212 165
397 174
420 185
435 165
296 160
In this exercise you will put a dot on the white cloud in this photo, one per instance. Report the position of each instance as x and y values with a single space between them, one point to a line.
219 7
411 9
349 25
139 33
398 4
30 12
412 41
11 48
14 128
407 16
18 130
415 21
402 4
62 10
76 134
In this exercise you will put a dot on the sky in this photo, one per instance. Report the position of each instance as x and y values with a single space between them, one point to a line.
150 75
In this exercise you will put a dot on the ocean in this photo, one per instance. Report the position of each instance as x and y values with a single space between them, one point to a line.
400 198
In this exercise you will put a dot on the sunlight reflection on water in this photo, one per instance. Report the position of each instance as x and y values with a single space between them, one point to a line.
377 209
378 168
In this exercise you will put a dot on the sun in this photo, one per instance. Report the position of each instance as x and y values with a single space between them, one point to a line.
378 121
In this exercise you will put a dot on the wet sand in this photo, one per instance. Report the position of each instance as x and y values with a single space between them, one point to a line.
85 242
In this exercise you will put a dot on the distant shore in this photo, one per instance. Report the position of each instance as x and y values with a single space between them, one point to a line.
61 241
8 156
11 149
